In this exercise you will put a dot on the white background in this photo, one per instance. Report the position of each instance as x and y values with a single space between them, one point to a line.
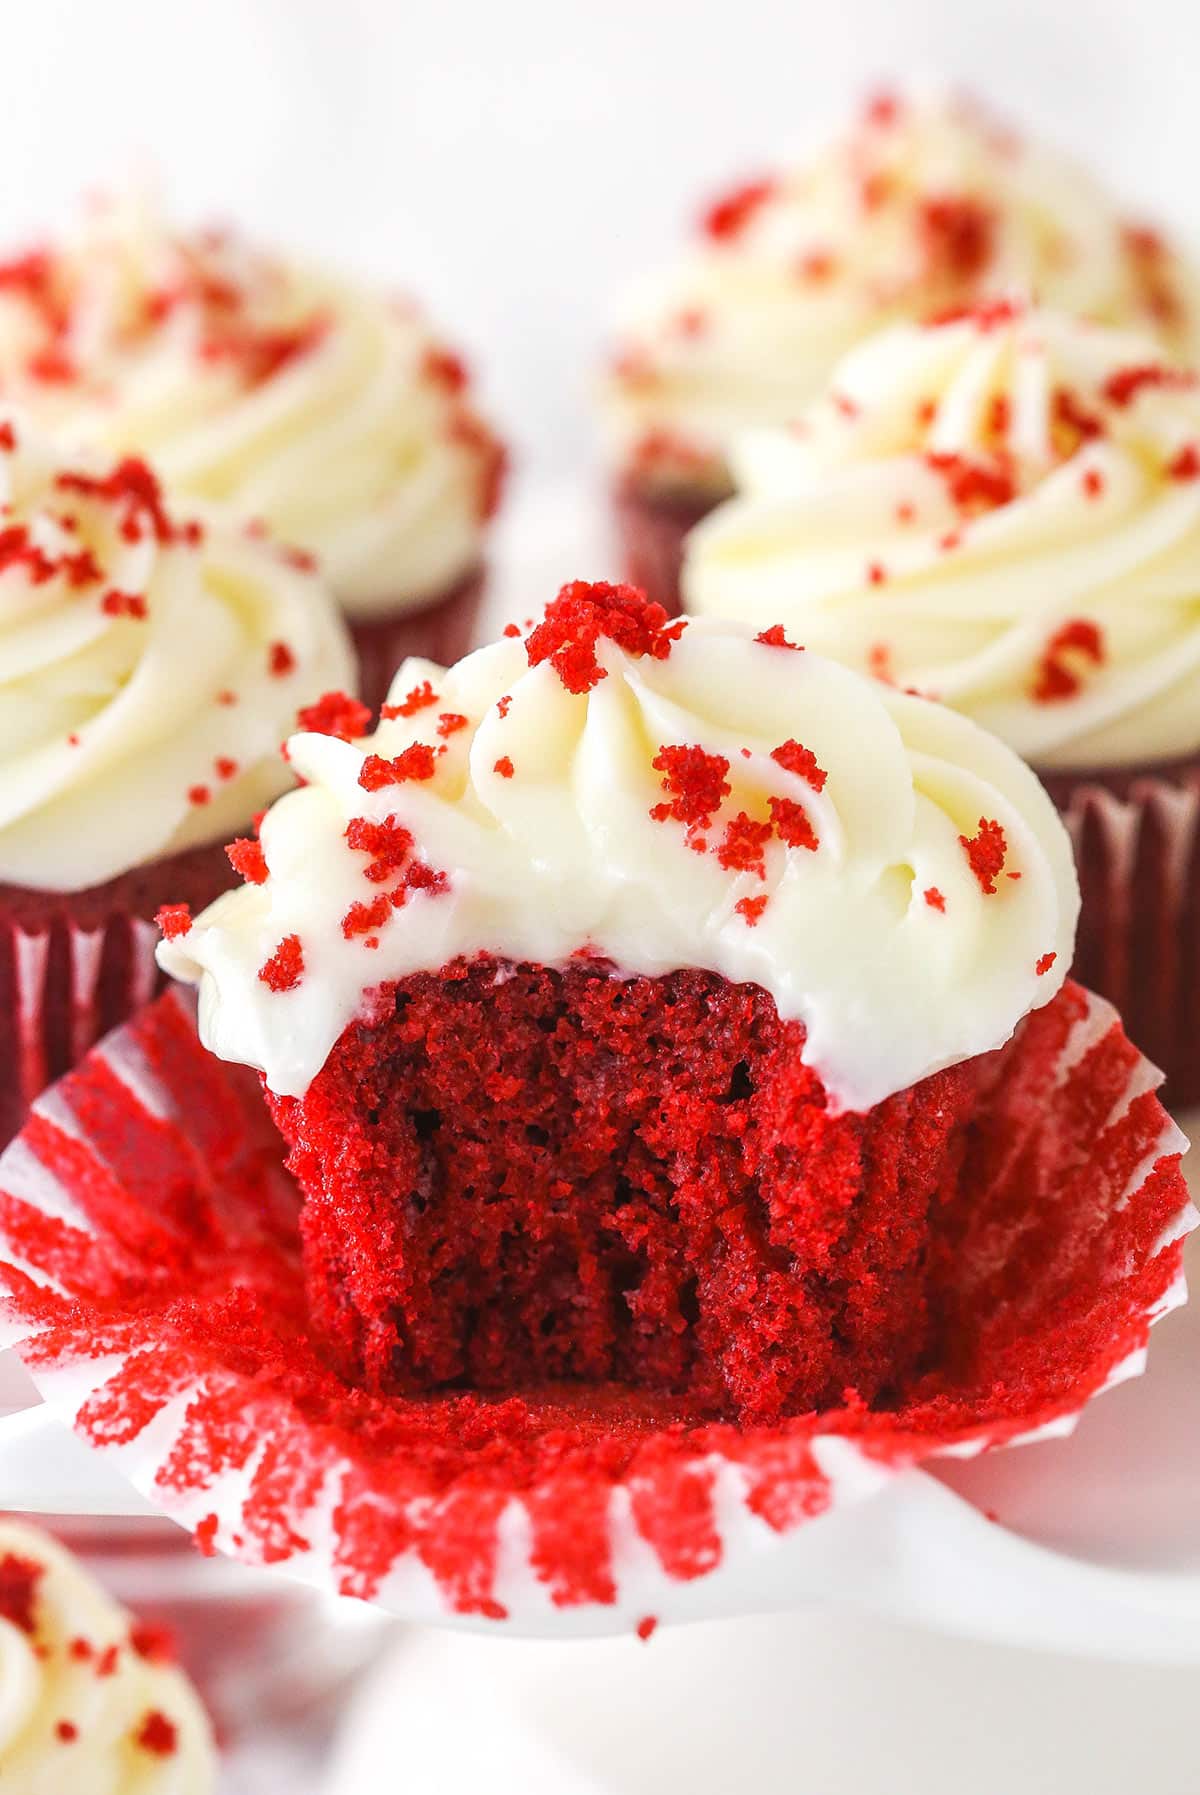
510 160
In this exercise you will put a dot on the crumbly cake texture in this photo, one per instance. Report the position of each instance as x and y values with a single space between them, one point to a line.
522 1177
151 1262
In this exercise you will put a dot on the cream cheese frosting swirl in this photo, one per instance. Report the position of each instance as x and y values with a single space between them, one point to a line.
151 662
922 204
87 1705
328 410
660 795
1003 511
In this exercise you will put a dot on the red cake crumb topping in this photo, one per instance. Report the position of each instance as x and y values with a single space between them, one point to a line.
132 486
775 638
285 968
417 761
336 714
445 369
646 1626
504 767
8 438
362 919
999 416
107 1662
124 604
985 853
751 908
1186 464
247 858
974 486
1092 482
793 757
879 663
388 843
876 573
158 1735
19 1579
154 1644
174 920
199 794
958 234
450 722
280 660
1074 423
585 612
934 898
1058 675
695 784
1044 964
81 1651
742 847
816 266
66 1732
986 315
502 705
729 216
792 825
420 698
1128 384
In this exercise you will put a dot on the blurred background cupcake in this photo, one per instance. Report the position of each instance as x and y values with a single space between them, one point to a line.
923 204
329 412
1002 510
91 1699
151 661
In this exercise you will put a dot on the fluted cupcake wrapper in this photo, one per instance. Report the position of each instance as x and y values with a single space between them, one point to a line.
651 529
149 1251
442 631
1137 847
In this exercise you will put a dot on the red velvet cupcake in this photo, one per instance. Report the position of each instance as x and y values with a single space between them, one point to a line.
620 1035
150 660
331 412
922 204
1002 509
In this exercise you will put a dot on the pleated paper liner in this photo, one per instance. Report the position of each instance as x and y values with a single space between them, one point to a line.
652 525
148 1246
442 631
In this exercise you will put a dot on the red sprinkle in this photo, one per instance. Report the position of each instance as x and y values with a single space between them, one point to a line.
775 638
794 758
1044 964
418 761
158 1735
247 858
174 920
985 853
285 968
582 614
504 767
934 898
419 699
336 714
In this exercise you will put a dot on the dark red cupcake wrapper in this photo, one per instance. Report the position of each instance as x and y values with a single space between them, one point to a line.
651 528
149 1251
1137 848
442 631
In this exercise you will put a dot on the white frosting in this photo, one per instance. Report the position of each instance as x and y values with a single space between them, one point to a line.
328 410
118 741
1042 578
920 204
563 855
43 1683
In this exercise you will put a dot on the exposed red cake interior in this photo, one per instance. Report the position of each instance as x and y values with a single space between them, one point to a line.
524 1176
73 964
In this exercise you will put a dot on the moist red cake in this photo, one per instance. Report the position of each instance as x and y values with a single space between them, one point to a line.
75 963
520 1177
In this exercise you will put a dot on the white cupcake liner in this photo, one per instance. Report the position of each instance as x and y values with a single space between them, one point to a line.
148 1247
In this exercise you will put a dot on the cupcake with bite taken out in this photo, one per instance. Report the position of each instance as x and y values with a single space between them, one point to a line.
922 204
1002 510
639 1005
331 413
92 1702
152 656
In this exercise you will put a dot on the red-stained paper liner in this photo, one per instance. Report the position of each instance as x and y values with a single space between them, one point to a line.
75 964
148 1246
1137 847
442 631
651 526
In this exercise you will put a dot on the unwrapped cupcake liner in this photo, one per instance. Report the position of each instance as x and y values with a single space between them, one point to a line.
1137 847
651 529
149 1251
64 984
442 632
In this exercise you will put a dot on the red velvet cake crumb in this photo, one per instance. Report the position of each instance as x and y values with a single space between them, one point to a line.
247 858
285 968
280 660
794 758
934 898
336 714
1058 677
776 638
585 612
174 920
1186 464
985 853
158 1735
418 761
420 698
504 767
521 1176
729 216
19 1579
66 1732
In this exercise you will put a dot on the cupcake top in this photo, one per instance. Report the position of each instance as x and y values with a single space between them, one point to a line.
1002 510
151 660
90 1703
330 411
657 795
923 203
